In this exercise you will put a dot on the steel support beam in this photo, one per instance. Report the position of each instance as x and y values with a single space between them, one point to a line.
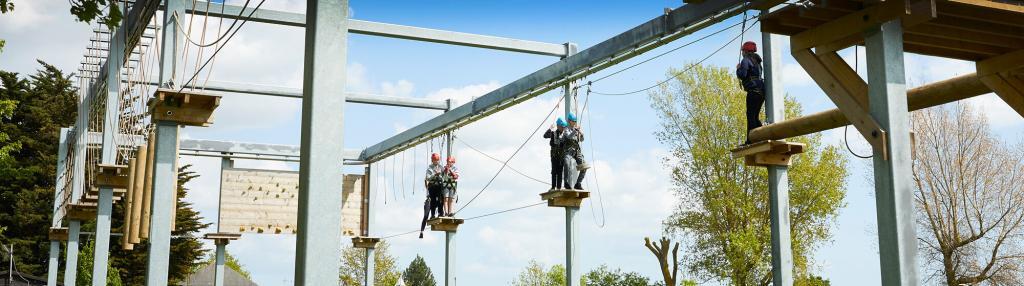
449 258
369 264
654 33
390 30
350 97
71 262
54 263
778 177
894 192
318 243
165 169
572 229
218 271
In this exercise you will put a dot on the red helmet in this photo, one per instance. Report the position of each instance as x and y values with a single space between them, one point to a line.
435 157
451 160
749 47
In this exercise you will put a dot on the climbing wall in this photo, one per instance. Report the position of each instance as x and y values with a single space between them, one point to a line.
266 201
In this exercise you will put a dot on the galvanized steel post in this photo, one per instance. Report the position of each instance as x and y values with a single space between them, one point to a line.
71 264
218 271
778 177
318 245
572 274
894 192
111 127
54 263
449 258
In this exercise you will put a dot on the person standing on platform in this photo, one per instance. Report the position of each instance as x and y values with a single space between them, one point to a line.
450 181
554 136
572 137
749 73
433 181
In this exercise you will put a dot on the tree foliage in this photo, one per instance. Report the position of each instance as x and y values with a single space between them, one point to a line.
535 275
85 257
969 197
604 276
418 274
723 206
35 108
385 271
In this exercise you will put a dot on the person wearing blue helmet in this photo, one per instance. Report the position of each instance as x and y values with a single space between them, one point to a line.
572 137
554 136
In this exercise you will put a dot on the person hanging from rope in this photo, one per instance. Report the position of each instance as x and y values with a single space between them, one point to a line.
450 181
748 70
554 136
433 181
571 139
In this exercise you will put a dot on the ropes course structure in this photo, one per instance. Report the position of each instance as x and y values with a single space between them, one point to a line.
136 113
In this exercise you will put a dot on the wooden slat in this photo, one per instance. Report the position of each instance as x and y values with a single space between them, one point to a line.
844 26
974 13
1005 90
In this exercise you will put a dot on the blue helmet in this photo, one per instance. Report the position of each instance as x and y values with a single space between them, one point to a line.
561 122
572 117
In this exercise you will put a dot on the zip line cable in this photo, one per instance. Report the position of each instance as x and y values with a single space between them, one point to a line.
593 158
665 53
499 161
505 164
676 74
219 48
471 218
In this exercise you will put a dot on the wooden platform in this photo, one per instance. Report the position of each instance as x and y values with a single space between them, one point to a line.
190 108
58 233
970 30
768 153
81 211
564 198
445 224
111 176
222 237
365 242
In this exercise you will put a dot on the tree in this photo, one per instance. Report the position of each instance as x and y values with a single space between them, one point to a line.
45 102
661 253
969 197
418 274
85 257
186 249
722 204
535 275
385 271
230 261
603 276
106 12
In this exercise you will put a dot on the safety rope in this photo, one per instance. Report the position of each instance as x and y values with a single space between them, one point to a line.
219 48
846 139
499 161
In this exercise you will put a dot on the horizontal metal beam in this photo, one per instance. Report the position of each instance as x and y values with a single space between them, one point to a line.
352 97
388 30
211 148
653 33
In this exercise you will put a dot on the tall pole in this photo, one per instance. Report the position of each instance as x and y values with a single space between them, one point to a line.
165 153
894 193
778 178
218 272
449 258
571 270
221 245
318 244
369 265
54 262
71 264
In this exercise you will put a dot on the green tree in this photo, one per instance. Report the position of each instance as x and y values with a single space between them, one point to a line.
535 275
385 271
603 276
85 257
186 249
230 261
418 274
722 204
45 103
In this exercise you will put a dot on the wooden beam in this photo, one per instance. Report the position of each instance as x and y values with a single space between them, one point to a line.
851 24
835 88
992 5
999 72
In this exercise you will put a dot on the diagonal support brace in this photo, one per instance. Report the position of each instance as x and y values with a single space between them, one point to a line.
1005 75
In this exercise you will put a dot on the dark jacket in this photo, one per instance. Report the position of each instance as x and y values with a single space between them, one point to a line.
555 141
749 72
571 139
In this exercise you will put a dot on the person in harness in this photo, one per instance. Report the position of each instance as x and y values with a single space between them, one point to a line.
571 139
433 181
450 182
554 136
749 73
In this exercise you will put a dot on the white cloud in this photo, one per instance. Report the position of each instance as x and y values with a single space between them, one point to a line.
793 75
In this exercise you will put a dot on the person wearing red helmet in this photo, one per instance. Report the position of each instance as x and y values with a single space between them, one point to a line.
433 181
749 72
450 181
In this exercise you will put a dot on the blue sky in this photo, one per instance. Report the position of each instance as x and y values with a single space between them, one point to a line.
634 184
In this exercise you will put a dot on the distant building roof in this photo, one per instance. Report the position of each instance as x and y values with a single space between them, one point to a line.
204 277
